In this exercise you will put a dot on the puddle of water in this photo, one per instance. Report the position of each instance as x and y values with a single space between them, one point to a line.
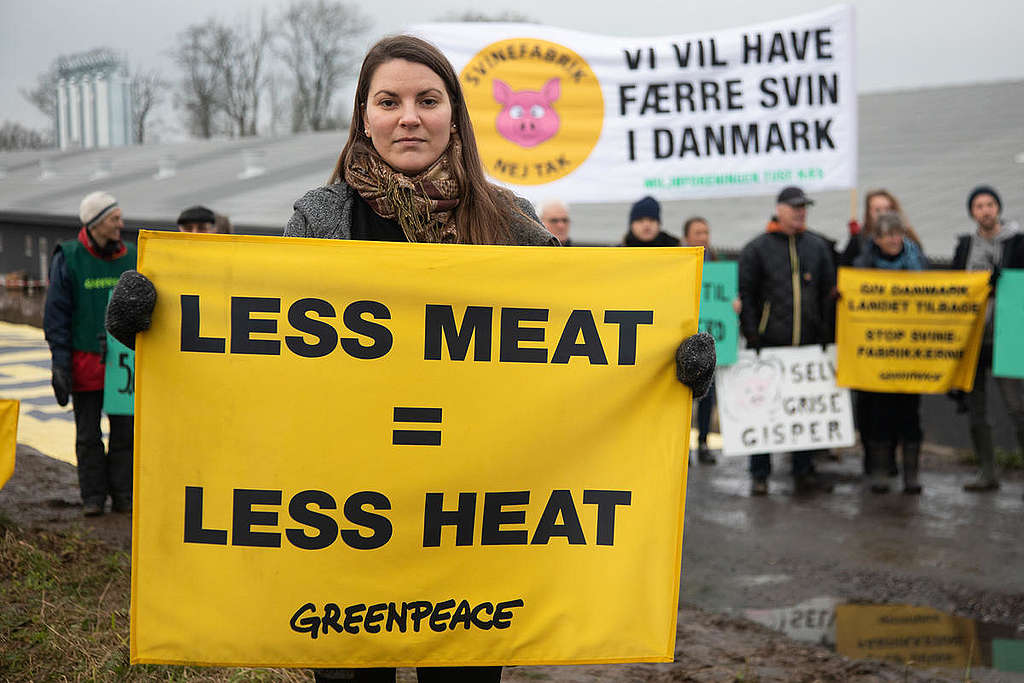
734 519
753 580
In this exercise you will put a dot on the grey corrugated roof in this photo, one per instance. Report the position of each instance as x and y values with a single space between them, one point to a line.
929 147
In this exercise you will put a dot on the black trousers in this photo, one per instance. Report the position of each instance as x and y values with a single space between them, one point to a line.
102 472
440 674
892 418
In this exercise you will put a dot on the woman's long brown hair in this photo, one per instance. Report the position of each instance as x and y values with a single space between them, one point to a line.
482 214
869 222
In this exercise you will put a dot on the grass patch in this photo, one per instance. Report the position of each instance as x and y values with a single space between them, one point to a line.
1006 459
64 614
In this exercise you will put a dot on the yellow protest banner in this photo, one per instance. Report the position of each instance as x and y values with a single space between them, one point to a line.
377 454
8 437
912 332
918 636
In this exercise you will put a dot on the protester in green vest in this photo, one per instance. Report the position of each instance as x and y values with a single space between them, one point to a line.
82 273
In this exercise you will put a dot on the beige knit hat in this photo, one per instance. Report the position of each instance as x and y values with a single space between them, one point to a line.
95 207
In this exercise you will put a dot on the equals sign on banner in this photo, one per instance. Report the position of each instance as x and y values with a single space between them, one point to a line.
417 437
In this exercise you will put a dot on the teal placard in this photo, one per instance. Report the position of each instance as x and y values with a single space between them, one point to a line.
119 379
718 291
1008 655
1008 361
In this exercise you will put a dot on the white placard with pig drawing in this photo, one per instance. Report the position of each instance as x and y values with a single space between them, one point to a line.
783 399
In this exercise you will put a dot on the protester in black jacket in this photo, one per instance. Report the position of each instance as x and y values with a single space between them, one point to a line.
786 282
994 245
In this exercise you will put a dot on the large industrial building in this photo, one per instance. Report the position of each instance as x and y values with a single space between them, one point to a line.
94 104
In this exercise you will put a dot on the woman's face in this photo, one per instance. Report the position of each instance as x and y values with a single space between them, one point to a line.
408 115
645 229
891 243
878 205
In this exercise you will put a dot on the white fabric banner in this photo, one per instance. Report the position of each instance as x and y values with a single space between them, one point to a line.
582 117
783 399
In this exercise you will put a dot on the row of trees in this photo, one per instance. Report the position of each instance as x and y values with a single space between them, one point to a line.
289 65
230 74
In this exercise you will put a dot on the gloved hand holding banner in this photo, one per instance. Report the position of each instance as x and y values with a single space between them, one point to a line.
912 332
375 454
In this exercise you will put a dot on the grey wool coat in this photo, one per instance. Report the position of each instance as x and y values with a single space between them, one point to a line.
326 212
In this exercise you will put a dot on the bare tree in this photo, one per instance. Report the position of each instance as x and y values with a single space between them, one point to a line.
202 83
44 95
241 53
15 136
278 103
474 16
147 92
319 43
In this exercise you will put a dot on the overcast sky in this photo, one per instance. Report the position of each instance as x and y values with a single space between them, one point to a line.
901 43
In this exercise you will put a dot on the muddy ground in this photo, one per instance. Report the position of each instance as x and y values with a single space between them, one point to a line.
799 548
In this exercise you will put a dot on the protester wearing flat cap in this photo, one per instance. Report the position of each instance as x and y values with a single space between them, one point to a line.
645 226
82 273
197 219
786 278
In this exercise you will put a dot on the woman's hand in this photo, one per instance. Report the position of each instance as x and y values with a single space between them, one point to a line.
131 307
695 363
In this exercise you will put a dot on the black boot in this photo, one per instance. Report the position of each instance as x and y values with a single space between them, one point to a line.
880 451
911 464
981 437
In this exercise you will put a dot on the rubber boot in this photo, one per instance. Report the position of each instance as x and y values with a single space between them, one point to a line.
981 437
911 464
879 454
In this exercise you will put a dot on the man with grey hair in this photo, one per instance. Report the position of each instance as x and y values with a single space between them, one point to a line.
554 214
82 273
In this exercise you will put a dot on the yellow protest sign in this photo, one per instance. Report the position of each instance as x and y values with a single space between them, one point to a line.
8 437
377 454
918 636
913 332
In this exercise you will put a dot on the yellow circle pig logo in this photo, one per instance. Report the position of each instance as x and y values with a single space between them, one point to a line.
537 109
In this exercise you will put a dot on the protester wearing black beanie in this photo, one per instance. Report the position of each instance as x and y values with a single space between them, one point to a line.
980 190
647 208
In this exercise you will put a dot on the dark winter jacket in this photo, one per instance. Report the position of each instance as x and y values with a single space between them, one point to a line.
1012 247
785 284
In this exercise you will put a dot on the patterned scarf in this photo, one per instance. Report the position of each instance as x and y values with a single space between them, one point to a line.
423 205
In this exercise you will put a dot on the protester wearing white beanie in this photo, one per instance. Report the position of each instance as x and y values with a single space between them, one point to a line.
95 207
82 272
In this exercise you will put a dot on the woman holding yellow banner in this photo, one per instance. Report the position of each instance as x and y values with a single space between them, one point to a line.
409 172
891 419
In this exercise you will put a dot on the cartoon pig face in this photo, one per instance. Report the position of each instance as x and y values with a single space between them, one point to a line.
527 117
756 388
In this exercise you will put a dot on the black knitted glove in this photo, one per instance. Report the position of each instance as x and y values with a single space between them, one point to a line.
61 383
695 363
131 307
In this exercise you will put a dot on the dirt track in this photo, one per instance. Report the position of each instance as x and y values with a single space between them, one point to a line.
710 646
